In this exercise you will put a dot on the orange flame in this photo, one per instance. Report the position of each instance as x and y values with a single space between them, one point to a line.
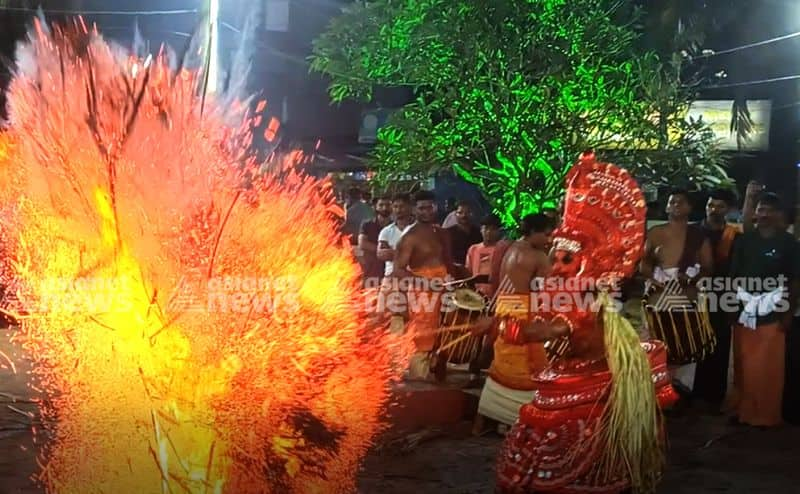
272 129
198 325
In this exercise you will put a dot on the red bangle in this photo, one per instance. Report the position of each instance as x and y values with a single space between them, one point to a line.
569 323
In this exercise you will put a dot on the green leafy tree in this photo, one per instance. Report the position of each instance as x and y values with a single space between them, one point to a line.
508 93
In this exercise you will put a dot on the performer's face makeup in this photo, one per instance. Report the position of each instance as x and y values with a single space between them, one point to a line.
565 263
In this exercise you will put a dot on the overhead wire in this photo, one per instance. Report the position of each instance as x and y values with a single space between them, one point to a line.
753 83
101 12
227 25
776 39
165 31
709 54
714 53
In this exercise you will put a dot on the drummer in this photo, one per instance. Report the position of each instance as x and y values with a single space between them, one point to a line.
422 260
509 384
677 250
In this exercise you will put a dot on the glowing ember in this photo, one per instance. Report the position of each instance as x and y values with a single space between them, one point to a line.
198 328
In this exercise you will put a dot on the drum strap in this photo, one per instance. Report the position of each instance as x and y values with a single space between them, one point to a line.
691 247
497 264
726 243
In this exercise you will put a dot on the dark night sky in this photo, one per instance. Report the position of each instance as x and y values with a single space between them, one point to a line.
761 20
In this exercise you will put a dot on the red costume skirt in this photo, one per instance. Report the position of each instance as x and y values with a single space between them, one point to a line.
553 446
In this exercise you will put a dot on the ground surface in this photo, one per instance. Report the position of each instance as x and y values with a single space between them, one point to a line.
706 456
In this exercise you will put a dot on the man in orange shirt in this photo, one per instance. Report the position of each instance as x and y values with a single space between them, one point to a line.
480 256
711 377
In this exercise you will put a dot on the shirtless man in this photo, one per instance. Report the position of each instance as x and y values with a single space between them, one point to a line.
421 265
527 258
424 245
518 348
677 244
677 250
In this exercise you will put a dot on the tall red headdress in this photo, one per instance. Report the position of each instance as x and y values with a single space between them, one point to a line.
604 219
615 441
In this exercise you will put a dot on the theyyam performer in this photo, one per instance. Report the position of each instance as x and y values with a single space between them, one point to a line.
594 424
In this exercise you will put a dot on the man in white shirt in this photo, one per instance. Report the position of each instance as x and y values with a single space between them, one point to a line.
450 207
391 234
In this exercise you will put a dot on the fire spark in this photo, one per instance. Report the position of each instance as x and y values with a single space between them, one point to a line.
196 325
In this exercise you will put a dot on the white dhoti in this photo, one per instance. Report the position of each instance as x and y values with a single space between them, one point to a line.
501 403
684 376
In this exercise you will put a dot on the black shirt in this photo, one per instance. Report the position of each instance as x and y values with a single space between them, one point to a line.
461 241
373 268
371 228
760 258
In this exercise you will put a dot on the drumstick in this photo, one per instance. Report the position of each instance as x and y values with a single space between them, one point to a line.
459 327
459 282
454 342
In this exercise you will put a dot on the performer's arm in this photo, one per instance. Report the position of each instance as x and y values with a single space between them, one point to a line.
484 325
468 263
365 245
735 266
541 331
458 272
384 253
543 268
